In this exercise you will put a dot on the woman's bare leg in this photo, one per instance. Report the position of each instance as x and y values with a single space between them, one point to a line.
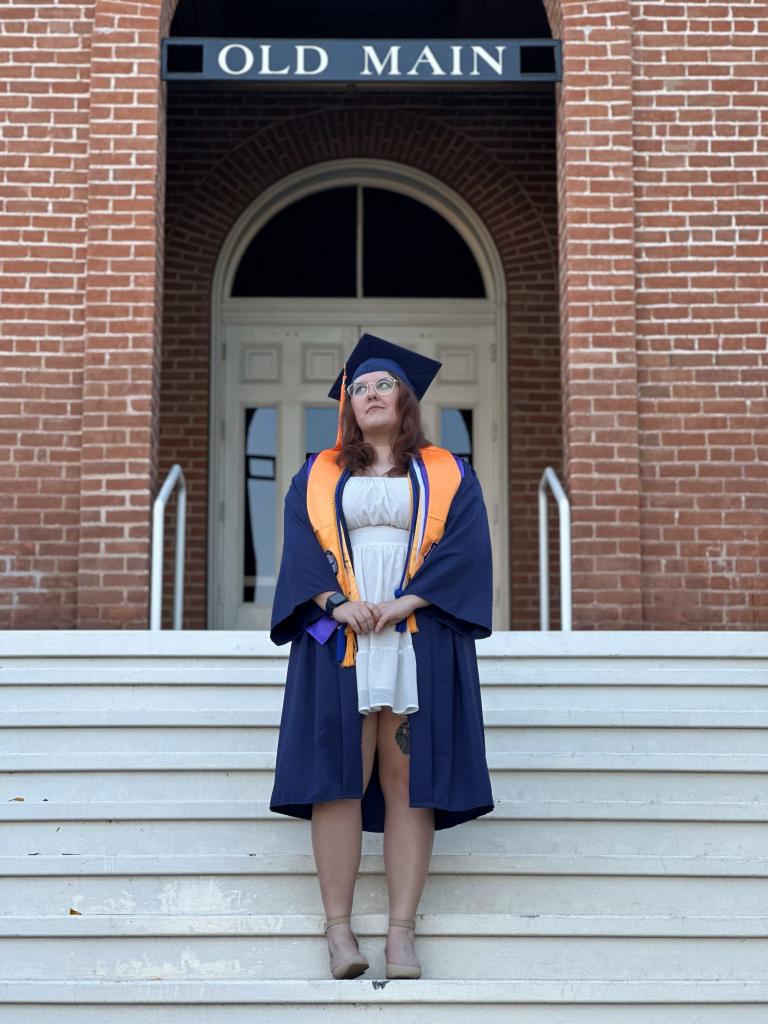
408 834
337 845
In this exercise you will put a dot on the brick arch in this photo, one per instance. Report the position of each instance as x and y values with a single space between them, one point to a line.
554 11
415 141
526 245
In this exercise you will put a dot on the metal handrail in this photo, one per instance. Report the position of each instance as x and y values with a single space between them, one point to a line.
549 477
176 475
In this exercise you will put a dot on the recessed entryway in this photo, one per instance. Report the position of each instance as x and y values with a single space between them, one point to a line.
328 253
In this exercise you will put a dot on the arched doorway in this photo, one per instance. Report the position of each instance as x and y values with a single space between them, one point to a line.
306 268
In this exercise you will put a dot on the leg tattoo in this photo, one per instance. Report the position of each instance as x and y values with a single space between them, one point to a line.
403 737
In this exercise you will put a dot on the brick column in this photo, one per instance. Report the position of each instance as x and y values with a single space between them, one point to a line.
597 302
122 313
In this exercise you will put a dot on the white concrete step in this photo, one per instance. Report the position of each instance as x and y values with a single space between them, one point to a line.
455 886
288 836
45 748
546 793
133 712
496 922
569 862
467 947
647 760
21 809
621 878
516 1000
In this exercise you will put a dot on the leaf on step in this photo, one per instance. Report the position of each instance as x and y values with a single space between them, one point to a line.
73 911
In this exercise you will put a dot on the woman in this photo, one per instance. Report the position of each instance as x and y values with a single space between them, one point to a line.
387 547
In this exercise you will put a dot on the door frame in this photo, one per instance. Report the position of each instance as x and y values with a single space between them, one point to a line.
453 208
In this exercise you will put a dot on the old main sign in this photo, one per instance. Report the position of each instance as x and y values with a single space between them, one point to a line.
356 60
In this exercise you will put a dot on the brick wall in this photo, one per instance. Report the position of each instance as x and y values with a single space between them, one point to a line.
45 181
81 277
701 199
662 187
661 207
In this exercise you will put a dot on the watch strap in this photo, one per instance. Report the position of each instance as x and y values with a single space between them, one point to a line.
333 601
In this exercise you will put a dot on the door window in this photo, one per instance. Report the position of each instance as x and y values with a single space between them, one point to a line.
259 541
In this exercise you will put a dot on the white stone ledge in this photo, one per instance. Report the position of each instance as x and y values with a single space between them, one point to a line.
369 990
447 926
234 644
717 812
513 761
663 865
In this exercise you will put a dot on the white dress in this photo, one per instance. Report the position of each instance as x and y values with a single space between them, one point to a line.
376 509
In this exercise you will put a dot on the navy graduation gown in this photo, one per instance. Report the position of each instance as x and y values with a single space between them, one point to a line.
319 755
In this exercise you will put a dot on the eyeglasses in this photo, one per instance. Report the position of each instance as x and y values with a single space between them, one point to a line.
384 386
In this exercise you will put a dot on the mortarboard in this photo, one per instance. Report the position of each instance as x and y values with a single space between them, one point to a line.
372 353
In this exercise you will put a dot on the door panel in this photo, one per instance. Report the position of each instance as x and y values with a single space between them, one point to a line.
275 411
276 378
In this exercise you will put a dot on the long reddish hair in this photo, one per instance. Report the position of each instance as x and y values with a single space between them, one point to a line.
356 455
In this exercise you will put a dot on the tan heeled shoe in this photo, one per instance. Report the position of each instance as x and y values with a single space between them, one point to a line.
354 965
395 970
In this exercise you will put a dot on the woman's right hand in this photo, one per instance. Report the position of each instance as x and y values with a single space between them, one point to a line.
362 616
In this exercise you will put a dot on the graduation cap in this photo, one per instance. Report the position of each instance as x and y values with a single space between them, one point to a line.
372 353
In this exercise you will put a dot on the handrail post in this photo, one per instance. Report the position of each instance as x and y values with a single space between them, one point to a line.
175 476
549 479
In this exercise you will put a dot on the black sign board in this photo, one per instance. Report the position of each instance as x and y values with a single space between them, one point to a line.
359 60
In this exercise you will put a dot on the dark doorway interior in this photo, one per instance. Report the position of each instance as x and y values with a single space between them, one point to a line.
374 19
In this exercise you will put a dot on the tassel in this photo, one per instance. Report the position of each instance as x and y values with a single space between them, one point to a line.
342 397
349 656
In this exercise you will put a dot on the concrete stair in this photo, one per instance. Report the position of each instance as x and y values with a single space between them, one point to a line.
622 877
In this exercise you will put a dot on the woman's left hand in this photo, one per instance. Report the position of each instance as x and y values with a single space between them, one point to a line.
394 611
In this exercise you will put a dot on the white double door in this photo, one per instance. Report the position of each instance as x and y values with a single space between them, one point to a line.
270 409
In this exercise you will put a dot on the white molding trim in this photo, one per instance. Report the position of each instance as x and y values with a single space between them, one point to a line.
448 204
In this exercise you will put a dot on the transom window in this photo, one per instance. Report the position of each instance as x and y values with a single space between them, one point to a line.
358 241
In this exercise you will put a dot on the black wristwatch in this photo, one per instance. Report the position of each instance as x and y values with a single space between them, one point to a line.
333 602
